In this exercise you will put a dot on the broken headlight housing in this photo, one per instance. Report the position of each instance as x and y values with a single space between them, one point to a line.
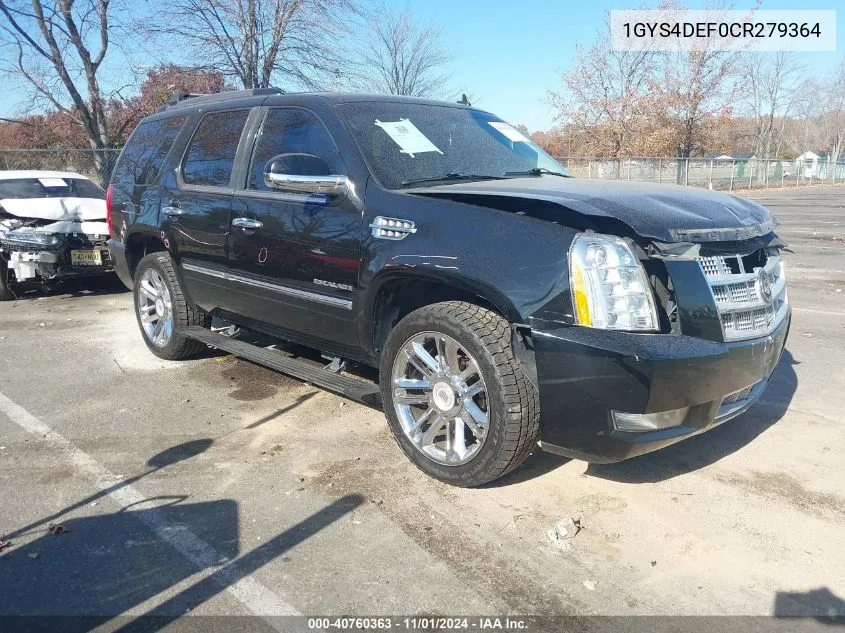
29 238
610 289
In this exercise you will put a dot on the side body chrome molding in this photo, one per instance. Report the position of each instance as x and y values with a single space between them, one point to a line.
337 302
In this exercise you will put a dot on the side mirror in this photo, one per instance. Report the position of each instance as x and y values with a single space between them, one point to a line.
303 173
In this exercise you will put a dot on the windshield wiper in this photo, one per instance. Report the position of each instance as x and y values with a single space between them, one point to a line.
537 171
451 176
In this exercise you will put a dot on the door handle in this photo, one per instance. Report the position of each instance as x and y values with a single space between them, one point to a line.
247 223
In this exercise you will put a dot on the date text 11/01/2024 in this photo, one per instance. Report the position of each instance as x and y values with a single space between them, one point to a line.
486 623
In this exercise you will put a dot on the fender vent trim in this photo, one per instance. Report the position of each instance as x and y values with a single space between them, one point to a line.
384 228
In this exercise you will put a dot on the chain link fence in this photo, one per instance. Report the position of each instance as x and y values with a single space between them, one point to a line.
96 165
723 175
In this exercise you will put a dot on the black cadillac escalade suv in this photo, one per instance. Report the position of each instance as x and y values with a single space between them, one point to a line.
504 302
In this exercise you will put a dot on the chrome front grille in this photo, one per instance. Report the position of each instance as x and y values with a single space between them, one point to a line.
751 303
736 396
714 266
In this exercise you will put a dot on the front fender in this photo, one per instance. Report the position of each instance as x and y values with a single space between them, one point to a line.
515 262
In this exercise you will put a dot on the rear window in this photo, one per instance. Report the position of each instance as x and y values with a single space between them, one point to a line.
49 188
210 158
145 151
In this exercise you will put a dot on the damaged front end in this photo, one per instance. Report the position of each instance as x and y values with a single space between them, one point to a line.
673 320
52 227
45 254
35 252
725 318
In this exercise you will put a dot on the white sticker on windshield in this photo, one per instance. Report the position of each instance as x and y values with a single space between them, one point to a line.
512 133
52 182
406 135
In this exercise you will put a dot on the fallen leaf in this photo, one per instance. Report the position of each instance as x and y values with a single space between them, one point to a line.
57 528
33 554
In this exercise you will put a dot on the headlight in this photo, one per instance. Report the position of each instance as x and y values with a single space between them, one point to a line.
610 289
29 237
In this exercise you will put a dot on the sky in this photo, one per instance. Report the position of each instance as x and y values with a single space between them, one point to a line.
509 53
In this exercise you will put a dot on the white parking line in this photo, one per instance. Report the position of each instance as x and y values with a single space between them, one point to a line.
812 311
257 598
810 232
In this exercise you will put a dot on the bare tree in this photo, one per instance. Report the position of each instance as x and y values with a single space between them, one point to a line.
603 90
818 116
59 48
400 57
694 87
769 86
262 41
832 119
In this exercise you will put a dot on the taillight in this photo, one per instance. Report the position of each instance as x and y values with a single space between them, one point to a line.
109 192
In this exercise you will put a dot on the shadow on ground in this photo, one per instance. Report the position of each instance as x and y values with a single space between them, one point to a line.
106 565
820 604
96 286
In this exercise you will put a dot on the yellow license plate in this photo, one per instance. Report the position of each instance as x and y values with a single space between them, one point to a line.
86 258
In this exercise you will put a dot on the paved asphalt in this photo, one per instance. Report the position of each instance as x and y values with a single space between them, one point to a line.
217 487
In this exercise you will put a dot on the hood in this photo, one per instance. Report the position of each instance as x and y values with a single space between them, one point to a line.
56 209
666 213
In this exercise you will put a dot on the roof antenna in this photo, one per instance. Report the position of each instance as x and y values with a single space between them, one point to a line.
464 100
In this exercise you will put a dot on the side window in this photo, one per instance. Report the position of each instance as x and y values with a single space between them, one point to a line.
211 153
145 152
288 131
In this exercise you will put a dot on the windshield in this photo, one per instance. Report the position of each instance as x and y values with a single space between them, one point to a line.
406 144
17 188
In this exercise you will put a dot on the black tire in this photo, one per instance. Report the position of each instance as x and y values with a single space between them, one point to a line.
513 402
179 347
5 292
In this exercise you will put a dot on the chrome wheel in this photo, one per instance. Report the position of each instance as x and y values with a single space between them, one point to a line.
440 398
155 308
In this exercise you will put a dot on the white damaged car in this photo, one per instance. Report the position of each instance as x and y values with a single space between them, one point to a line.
52 227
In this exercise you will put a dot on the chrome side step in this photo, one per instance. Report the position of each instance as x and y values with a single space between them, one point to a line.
366 393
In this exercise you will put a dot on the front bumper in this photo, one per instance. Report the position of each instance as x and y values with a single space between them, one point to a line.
584 374
35 264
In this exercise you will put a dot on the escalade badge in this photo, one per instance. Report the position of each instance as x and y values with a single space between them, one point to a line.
765 285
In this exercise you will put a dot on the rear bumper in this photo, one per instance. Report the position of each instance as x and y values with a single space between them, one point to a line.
584 374
117 250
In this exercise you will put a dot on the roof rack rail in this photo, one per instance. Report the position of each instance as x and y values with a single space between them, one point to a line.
184 99
181 96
